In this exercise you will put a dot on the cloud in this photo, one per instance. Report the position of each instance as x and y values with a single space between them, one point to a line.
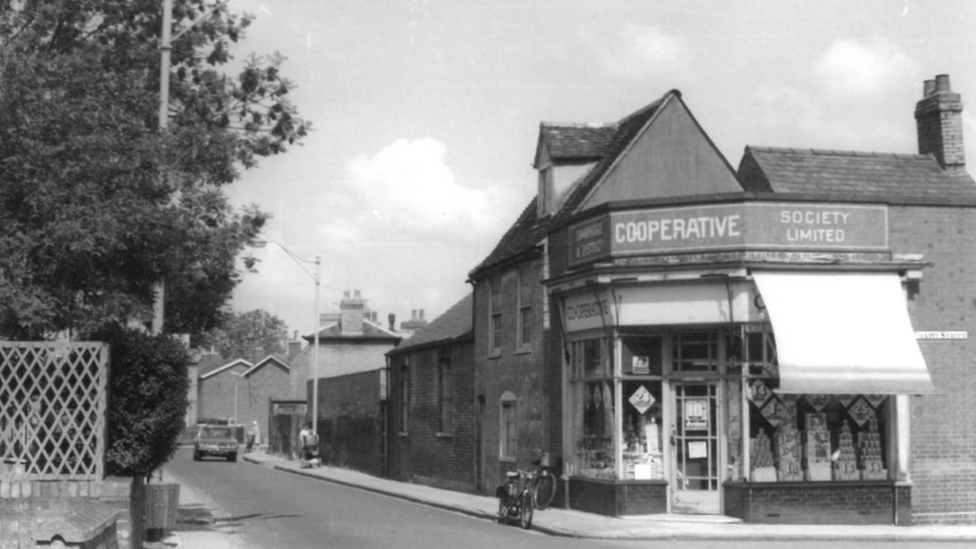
636 52
850 67
408 186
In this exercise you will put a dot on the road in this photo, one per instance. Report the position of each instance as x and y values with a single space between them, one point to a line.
274 509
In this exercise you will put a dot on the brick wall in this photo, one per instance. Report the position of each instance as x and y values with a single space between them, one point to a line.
825 503
943 445
523 372
424 453
350 422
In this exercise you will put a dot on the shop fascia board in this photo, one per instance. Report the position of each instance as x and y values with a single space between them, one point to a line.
909 266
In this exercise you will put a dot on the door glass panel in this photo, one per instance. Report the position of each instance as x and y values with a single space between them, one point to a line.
696 437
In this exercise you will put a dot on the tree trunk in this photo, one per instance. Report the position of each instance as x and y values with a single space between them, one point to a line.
137 508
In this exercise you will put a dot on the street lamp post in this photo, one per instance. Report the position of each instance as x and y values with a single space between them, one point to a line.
316 324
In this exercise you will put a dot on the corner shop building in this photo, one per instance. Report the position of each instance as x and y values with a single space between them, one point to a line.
785 343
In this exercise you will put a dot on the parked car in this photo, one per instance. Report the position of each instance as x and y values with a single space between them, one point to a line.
215 441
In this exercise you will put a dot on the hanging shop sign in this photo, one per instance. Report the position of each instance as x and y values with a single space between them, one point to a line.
746 225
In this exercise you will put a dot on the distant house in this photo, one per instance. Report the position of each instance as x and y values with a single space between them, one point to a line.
351 366
433 430
240 391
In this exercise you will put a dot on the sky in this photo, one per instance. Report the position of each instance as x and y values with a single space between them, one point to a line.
426 116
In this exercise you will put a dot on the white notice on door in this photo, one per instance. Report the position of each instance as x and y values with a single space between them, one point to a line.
697 450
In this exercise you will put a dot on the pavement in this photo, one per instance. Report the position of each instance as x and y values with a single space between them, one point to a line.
222 534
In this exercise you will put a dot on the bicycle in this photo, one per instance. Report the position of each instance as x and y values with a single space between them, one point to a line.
542 480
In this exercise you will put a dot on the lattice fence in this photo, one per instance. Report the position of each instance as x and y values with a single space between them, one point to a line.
52 410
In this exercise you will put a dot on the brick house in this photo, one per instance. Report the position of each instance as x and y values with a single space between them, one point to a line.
786 342
351 370
432 425
241 391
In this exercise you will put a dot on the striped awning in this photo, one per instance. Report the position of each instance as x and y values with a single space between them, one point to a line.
843 333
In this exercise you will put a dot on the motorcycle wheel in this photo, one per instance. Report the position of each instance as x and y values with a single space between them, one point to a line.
525 513
502 512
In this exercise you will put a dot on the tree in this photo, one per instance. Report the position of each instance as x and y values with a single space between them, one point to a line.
247 335
147 400
97 204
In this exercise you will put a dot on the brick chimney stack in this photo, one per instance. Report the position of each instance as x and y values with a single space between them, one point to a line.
938 117
352 308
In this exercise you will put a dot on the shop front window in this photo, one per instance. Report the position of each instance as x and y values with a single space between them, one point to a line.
816 437
810 437
599 390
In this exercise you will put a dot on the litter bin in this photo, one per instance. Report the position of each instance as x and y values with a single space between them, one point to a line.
162 501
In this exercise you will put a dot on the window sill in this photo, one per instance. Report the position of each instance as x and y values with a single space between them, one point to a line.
506 459
495 354
404 434
524 351
445 435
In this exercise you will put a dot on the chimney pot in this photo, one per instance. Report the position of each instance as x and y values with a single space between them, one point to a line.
421 314
392 319
413 314
928 88
942 83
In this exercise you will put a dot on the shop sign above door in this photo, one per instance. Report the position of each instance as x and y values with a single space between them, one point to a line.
746 225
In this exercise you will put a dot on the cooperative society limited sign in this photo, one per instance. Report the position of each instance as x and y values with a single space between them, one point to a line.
745 225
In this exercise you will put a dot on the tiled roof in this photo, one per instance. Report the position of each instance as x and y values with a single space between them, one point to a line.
576 141
454 324
521 237
526 233
627 130
370 331
895 176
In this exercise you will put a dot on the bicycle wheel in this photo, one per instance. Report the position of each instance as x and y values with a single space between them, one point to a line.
545 490
525 513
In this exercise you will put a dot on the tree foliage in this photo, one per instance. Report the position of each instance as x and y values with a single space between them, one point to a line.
147 400
251 335
98 204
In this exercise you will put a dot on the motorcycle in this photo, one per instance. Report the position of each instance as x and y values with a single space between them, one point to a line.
516 500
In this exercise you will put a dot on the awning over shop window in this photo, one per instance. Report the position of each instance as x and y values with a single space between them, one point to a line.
843 334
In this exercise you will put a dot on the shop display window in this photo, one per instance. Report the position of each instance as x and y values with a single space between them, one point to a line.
597 395
800 438
643 457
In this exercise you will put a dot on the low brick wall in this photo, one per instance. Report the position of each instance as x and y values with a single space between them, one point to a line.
869 502
618 498
92 513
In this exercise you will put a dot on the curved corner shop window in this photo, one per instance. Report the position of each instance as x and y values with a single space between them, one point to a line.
794 438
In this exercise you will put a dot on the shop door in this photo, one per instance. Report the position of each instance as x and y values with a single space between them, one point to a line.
695 449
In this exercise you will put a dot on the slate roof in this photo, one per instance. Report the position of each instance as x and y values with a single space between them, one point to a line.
895 176
576 141
370 332
527 231
453 325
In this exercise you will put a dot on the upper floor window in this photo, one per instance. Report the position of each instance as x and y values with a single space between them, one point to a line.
404 397
544 198
524 310
445 391
495 315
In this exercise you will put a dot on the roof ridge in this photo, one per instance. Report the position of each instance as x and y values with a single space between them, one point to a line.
836 152
590 125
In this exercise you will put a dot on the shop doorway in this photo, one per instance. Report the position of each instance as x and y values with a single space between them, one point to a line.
695 449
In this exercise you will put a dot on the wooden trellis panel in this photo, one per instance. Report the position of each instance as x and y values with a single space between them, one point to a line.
52 410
